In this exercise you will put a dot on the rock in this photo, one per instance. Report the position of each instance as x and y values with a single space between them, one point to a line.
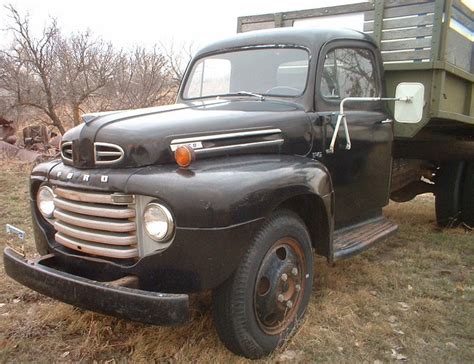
392 319
403 306
398 356
13 152
288 355
451 345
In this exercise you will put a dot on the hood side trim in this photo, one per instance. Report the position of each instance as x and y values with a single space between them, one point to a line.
228 148
175 143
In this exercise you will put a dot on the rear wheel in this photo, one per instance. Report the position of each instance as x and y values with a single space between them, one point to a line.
468 196
257 308
448 193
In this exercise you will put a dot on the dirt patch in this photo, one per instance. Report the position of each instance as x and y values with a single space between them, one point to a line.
409 299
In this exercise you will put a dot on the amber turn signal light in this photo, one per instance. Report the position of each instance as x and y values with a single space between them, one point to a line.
184 155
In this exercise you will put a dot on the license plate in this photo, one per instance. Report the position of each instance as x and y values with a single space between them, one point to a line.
17 245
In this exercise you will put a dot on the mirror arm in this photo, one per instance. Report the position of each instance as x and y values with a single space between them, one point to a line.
342 118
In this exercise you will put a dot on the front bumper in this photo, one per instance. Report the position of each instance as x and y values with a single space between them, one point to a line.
134 304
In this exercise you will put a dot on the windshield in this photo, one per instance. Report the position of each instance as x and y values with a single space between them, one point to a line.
258 71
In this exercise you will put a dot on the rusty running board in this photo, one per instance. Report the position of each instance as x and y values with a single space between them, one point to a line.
352 240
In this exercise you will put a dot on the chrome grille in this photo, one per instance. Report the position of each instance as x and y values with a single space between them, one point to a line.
95 223
106 153
66 151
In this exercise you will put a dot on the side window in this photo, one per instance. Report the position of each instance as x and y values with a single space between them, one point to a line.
348 72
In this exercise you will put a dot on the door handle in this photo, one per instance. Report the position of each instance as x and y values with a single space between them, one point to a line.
386 121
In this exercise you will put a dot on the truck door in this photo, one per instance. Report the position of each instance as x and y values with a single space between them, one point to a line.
361 175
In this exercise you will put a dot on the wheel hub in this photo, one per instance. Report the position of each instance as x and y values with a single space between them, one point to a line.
279 286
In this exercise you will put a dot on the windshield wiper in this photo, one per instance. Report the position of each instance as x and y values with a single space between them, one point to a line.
245 93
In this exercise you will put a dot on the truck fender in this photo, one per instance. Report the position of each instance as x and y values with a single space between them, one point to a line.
228 191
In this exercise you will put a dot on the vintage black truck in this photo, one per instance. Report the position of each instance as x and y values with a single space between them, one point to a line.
279 146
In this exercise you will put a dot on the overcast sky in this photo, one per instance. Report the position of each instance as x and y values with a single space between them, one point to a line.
147 22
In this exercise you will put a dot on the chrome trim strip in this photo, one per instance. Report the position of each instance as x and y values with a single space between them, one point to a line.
239 146
194 145
226 136
93 197
108 145
108 154
63 145
115 239
112 211
98 223
119 252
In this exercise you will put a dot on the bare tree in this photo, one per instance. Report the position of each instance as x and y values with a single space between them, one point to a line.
141 79
6 100
178 59
32 62
86 65
61 77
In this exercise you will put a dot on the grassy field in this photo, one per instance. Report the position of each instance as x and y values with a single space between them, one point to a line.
409 299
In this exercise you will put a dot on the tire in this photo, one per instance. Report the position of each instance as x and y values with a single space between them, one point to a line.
448 194
468 196
266 288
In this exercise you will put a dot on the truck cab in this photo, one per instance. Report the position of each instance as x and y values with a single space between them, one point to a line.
231 189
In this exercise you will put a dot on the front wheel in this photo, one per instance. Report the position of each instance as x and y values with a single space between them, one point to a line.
258 307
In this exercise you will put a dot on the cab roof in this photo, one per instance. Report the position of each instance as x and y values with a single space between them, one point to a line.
312 39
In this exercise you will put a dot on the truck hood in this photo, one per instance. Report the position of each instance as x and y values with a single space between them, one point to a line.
135 138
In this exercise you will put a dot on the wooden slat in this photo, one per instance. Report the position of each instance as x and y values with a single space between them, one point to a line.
278 20
402 23
406 44
459 5
406 56
310 13
463 19
258 26
407 33
333 10
459 51
439 31
256 18
378 21
394 3
403 11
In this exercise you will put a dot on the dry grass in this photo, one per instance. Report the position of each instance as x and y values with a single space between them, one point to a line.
411 298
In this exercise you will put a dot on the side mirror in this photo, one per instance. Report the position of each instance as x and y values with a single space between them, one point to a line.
410 102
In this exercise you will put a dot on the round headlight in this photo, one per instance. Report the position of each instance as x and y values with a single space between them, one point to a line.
44 200
158 222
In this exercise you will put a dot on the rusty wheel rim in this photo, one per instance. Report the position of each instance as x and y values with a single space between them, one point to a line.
279 286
